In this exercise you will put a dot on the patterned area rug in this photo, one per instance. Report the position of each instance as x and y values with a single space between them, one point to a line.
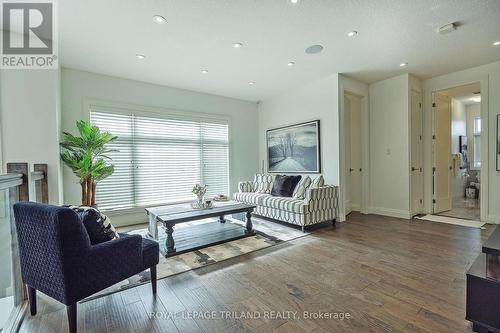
268 234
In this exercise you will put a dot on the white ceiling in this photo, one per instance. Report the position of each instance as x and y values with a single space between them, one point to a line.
104 36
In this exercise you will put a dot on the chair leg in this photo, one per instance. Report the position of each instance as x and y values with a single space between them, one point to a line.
303 229
32 299
153 278
333 222
71 311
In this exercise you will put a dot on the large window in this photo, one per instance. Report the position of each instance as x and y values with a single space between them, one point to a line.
159 160
476 131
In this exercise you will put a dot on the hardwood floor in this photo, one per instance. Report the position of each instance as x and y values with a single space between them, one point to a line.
389 275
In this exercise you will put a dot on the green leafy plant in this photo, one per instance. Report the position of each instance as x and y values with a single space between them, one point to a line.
86 156
199 190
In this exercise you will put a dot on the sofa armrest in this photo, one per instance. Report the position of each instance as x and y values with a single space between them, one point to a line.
246 186
325 197
105 264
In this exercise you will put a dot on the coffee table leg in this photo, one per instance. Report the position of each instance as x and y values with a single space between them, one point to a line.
249 221
170 243
222 219
153 227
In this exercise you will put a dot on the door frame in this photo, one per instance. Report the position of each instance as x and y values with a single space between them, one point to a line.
433 155
362 92
482 79
421 154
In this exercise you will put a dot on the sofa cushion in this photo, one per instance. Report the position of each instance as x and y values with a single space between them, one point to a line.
284 186
263 183
286 204
302 186
250 198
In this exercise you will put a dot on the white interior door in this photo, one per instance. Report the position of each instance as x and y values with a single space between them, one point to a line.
347 147
442 153
416 174
355 117
352 135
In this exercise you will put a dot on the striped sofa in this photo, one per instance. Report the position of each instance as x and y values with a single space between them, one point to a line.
318 203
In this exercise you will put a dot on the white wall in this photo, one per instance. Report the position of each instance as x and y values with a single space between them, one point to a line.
315 100
389 147
79 87
458 124
489 78
30 121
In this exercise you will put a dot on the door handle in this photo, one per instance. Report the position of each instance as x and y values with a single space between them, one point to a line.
451 168
351 169
360 169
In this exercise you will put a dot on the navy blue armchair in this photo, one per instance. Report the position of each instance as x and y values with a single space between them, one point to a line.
58 260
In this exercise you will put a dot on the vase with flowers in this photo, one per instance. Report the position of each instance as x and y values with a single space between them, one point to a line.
199 191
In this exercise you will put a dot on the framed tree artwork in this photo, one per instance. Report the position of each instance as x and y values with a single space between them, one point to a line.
294 149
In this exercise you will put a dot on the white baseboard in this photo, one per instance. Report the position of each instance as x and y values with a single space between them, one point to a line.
402 214
493 219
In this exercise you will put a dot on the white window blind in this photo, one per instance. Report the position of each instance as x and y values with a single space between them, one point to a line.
160 160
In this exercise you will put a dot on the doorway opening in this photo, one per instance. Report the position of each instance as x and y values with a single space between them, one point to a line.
456 153
353 152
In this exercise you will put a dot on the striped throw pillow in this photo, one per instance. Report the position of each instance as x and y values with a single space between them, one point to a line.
318 182
302 186
98 225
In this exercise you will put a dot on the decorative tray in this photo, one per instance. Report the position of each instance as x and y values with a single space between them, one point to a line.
203 205
221 199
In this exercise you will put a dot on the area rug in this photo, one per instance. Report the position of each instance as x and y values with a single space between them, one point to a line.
453 220
267 234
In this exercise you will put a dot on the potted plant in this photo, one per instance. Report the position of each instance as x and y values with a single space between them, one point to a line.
86 156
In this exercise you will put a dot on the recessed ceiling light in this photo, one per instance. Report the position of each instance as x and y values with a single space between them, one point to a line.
497 43
140 56
237 45
450 27
476 99
204 71
290 64
159 19
251 83
403 64
294 2
352 34
314 49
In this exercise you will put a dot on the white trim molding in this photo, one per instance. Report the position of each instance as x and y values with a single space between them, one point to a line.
402 214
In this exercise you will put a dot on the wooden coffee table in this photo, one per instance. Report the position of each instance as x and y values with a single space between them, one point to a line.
198 236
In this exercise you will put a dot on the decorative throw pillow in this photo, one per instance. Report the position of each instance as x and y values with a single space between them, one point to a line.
284 185
245 186
263 183
318 182
98 225
302 186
